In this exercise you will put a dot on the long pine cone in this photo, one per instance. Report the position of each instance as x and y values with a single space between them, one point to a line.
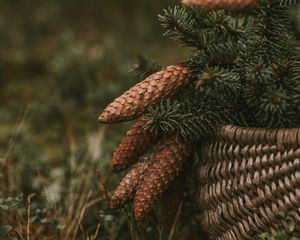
150 91
222 4
165 164
133 145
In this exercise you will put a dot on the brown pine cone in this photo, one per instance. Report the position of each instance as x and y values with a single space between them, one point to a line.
150 91
134 144
165 164
222 4
128 186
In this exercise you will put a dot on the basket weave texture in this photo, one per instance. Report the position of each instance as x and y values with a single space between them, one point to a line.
246 176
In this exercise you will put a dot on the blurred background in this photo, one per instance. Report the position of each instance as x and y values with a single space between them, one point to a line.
61 63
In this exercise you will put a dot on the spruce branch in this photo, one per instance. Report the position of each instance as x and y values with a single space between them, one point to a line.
268 63
191 116
271 32
288 2
273 109
219 83
180 25
221 42
218 54
219 21
144 68
261 74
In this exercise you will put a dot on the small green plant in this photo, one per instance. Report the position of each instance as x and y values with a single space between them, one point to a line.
282 233
5 230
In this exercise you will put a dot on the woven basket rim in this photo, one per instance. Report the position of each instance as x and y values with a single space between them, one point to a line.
282 137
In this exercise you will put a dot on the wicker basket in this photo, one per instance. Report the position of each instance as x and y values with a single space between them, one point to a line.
246 177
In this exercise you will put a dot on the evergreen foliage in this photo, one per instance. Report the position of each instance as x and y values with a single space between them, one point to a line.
242 70
144 68
189 116
245 70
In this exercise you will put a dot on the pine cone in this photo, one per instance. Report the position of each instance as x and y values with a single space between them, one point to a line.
222 4
150 91
165 164
127 187
134 144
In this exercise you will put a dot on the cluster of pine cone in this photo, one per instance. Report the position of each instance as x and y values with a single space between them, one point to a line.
155 161
222 4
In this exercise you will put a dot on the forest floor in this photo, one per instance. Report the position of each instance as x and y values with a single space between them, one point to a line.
60 64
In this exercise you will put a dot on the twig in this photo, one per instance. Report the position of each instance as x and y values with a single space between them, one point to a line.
97 231
85 207
19 235
20 120
20 232
175 222
28 217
